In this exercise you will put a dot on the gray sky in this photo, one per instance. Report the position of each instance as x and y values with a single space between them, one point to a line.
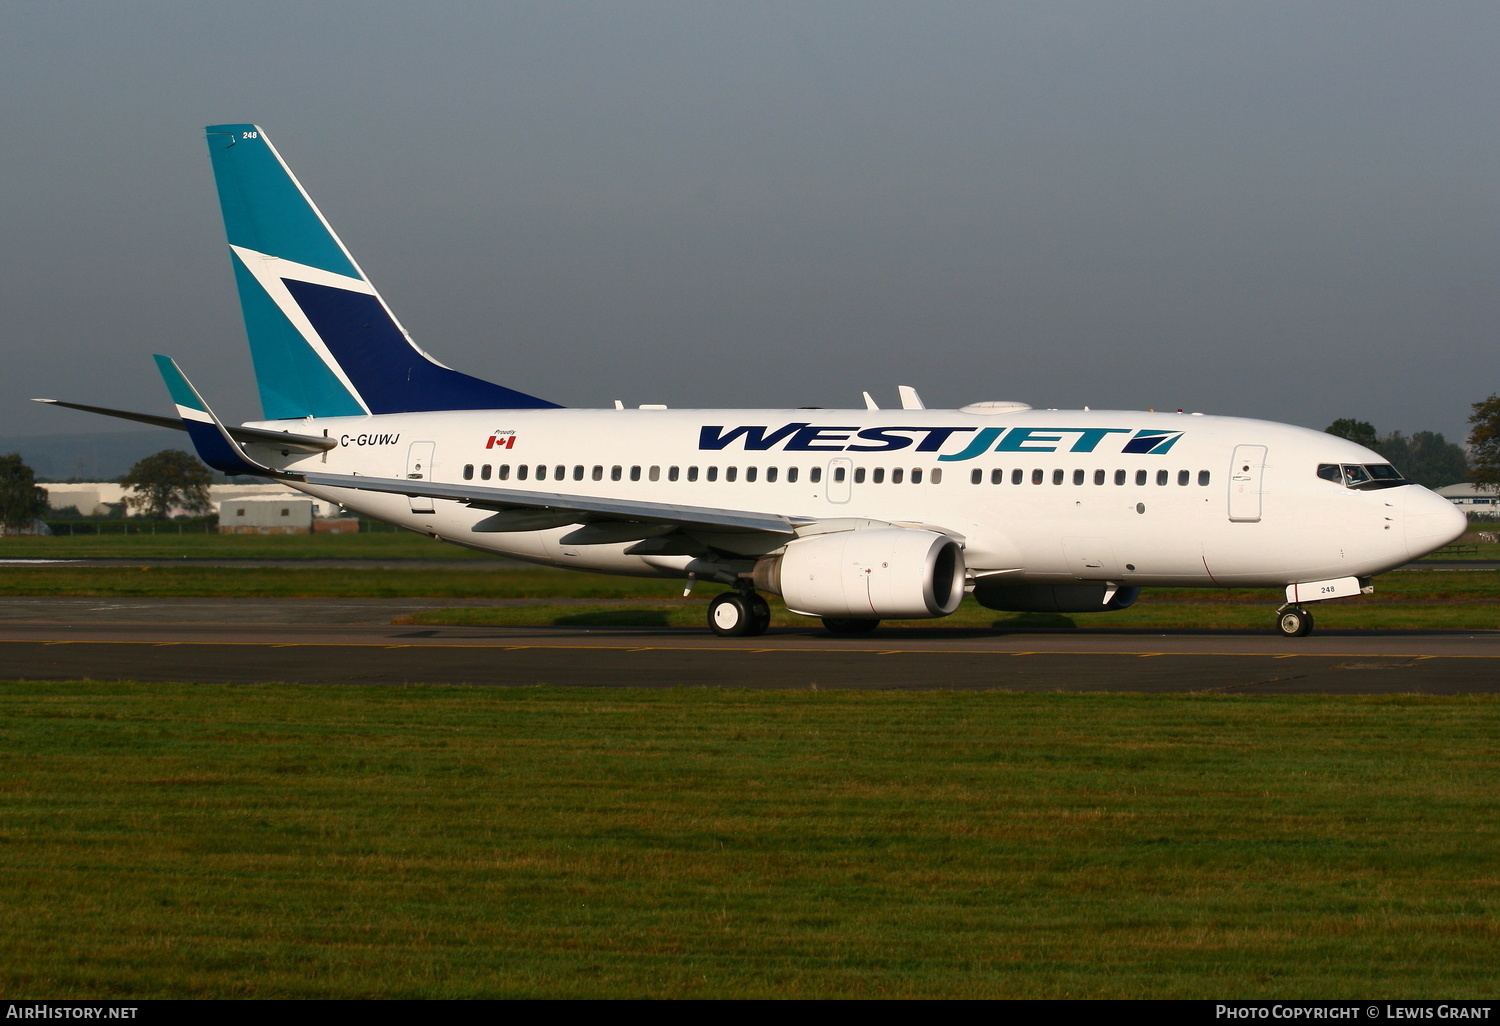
1282 210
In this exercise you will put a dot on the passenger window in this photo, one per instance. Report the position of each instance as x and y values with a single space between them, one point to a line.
750 474
1184 476
937 475
598 474
1037 476
1161 477
1119 477
635 473
1140 477
1015 476
838 475
916 475
541 473
815 475
484 473
692 473
859 475
1057 477
578 472
879 475
896 475
671 473
731 473
468 471
503 473
654 474
770 475
997 476
1078 476
975 476
615 473
1203 477
559 473
791 475
713 474
522 471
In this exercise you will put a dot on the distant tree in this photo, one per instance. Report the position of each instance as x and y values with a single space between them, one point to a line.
1426 457
21 501
1358 431
171 478
1484 442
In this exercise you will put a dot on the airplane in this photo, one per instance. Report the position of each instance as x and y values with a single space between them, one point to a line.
853 516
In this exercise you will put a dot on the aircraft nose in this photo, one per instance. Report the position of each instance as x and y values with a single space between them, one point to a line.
1431 522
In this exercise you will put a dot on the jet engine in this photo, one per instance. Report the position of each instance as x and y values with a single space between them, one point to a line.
1053 598
883 573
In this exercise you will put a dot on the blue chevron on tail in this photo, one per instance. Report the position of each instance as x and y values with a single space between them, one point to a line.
323 341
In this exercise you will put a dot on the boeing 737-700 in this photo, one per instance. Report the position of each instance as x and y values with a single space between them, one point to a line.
853 516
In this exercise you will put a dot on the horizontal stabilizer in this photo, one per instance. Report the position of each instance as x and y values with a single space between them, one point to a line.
263 436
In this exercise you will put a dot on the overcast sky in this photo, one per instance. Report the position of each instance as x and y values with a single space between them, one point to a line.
1279 210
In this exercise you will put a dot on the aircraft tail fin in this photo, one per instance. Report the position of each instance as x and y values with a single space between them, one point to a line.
323 342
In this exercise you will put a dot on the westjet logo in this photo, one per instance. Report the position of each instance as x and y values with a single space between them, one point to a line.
803 437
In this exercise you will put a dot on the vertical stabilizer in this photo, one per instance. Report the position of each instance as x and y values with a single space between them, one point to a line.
323 341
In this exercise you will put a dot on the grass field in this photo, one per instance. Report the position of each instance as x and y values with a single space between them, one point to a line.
169 545
1468 600
199 841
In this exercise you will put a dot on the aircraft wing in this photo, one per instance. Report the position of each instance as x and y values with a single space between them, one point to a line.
588 507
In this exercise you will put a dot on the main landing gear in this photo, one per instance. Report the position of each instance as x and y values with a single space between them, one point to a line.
738 614
1293 621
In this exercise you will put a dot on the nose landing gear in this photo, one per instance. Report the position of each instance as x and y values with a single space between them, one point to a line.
1293 621
738 614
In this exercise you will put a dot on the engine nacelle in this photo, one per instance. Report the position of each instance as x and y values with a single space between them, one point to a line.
1052 598
880 573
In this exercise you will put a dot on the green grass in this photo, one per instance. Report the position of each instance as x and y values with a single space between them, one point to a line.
381 545
476 581
1410 600
210 841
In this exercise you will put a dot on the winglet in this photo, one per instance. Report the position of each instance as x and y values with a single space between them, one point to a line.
211 439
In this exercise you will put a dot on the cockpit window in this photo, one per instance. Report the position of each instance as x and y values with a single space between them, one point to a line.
1362 476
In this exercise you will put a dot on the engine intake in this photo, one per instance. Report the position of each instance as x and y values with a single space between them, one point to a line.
881 573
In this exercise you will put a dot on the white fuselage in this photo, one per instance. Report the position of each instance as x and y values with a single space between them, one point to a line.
1217 502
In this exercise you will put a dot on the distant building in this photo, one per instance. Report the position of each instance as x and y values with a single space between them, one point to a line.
266 515
1478 500
35 527
95 498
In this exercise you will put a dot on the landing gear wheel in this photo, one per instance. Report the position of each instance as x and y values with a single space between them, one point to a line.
731 615
1294 622
848 625
760 614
